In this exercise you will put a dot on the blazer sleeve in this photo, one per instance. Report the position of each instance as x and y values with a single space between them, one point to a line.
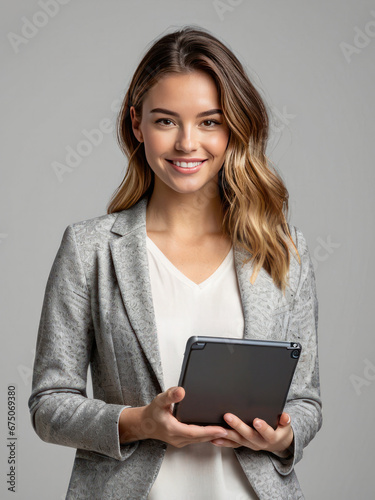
304 400
61 412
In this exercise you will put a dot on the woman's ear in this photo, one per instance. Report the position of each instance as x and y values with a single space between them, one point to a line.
135 125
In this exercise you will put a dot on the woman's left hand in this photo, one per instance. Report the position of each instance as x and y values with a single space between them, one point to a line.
263 437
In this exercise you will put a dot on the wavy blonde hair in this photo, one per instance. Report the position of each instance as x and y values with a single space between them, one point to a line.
254 197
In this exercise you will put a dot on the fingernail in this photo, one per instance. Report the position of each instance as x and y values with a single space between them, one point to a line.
219 441
257 424
228 418
288 422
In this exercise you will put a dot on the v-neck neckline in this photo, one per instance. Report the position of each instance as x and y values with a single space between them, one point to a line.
180 275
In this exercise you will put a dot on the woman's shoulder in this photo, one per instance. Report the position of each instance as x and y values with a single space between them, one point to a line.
298 238
83 240
105 227
302 267
96 233
92 235
93 230
301 243
94 224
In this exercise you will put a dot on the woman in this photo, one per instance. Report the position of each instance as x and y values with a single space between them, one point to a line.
195 242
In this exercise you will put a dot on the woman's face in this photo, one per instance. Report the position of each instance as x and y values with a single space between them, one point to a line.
182 122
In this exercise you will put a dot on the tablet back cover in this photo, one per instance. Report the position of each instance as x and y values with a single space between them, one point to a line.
247 378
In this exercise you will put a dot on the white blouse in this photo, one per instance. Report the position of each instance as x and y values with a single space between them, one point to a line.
184 308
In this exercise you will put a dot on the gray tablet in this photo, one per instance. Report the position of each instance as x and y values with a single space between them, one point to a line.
249 378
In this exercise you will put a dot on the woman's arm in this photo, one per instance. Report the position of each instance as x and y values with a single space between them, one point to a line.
304 403
61 412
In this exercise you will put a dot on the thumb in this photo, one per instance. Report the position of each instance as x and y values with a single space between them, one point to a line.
284 420
172 395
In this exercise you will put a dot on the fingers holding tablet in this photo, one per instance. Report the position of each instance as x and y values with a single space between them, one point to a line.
157 422
261 437
284 419
167 398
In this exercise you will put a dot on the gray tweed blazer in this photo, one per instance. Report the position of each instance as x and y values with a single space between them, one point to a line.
98 312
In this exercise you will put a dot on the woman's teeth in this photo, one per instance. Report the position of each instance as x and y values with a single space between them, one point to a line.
184 164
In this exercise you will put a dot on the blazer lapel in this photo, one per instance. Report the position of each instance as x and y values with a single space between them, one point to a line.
130 260
261 300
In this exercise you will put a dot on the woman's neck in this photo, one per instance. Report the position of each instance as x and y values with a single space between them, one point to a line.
187 216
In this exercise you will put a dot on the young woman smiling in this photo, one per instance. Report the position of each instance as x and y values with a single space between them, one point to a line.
195 242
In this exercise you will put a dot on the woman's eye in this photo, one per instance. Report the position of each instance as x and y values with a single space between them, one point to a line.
214 122
211 123
163 120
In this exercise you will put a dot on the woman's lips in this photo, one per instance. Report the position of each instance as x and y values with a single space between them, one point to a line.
186 162
187 170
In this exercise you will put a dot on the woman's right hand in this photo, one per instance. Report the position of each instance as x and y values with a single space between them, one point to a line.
155 421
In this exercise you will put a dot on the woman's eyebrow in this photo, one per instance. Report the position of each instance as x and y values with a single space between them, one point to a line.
199 115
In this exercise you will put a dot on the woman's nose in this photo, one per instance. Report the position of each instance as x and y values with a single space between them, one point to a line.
186 139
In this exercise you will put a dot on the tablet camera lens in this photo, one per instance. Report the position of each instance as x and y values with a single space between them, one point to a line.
295 354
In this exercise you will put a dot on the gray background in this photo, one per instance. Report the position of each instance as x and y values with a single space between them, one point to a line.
316 72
